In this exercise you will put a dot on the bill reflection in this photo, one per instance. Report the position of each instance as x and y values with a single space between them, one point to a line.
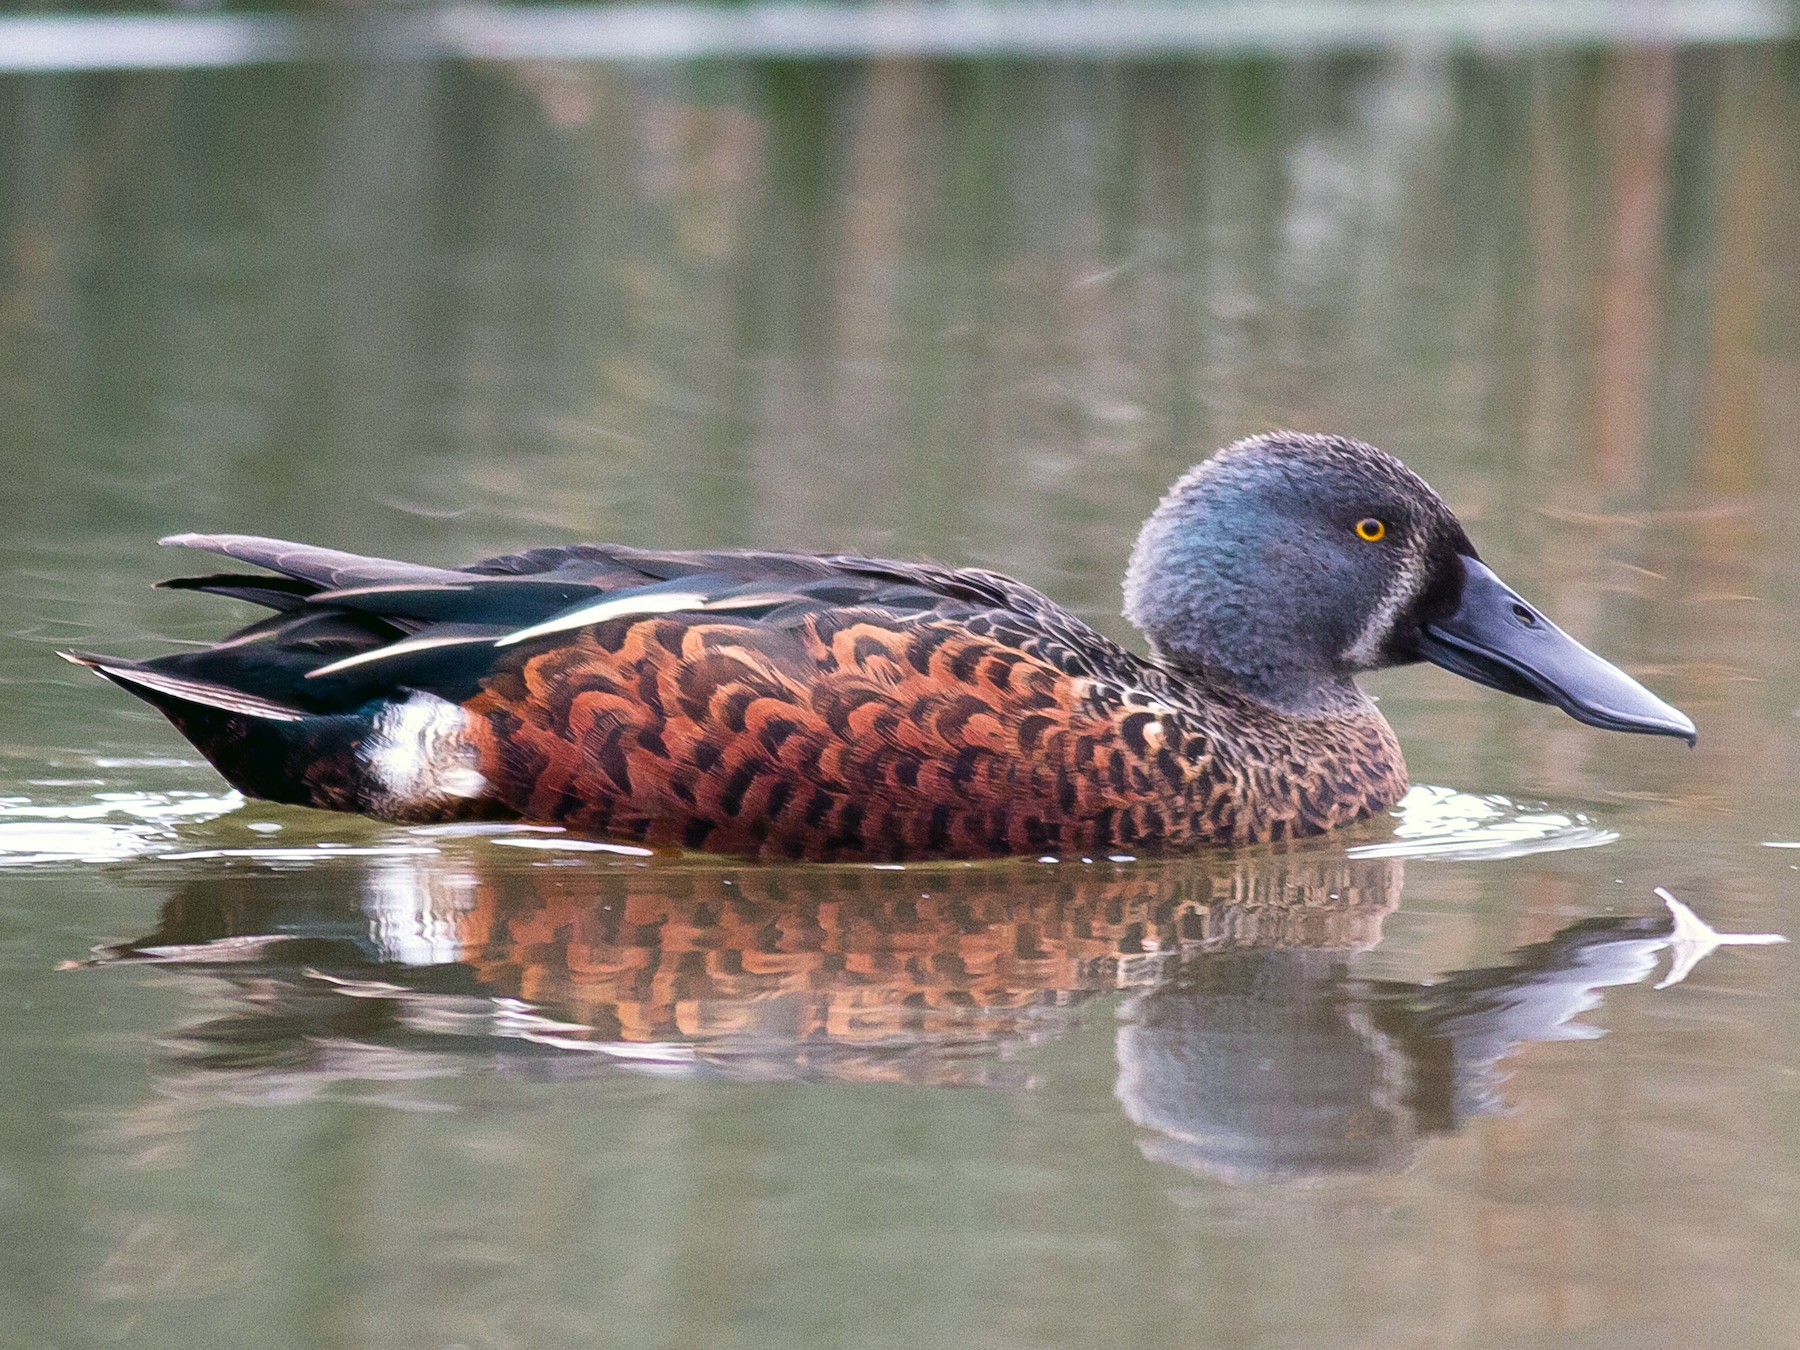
1283 1064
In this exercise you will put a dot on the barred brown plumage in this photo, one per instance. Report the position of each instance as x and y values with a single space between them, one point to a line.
850 735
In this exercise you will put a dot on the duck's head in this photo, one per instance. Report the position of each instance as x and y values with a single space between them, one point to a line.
1287 563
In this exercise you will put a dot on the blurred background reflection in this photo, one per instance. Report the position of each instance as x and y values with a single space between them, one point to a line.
337 1084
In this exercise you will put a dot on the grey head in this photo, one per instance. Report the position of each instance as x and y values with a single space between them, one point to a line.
1289 563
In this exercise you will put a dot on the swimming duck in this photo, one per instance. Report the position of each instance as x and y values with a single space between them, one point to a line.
841 707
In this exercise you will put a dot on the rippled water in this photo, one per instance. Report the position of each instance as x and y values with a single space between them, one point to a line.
281 1078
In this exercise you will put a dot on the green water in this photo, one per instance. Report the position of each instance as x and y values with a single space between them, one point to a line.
331 1083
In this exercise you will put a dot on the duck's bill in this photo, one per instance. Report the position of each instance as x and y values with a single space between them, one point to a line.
1495 638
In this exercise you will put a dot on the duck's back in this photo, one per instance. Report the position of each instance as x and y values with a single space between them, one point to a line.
744 702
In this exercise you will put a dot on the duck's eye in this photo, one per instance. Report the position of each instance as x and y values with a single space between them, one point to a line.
1370 529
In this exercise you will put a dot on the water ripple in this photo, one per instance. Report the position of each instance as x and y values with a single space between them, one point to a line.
1431 822
105 828
1439 822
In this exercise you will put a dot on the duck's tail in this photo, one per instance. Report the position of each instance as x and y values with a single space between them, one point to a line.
263 747
294 708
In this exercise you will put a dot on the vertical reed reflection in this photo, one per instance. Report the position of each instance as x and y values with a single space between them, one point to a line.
1641 93
950 305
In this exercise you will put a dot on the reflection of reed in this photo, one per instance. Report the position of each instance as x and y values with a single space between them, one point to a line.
77 174
770 280
1730 431
1630 331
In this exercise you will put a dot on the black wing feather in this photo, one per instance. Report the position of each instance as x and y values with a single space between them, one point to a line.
324 568
277 593
333 605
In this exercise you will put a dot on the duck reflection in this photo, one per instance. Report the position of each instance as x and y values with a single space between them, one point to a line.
1280 1063
1246 1046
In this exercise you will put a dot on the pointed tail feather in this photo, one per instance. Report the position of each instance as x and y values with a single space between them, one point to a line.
144 680
263 748
400 757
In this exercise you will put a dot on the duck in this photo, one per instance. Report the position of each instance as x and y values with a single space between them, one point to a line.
835 707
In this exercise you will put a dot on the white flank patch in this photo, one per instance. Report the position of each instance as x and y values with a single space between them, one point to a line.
602 611
420 753
1366 649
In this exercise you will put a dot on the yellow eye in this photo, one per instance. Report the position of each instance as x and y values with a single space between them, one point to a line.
1370 529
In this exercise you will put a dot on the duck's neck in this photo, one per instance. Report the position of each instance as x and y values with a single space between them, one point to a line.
1287 693
1302 761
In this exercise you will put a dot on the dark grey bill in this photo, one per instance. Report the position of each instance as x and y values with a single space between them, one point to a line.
1495 638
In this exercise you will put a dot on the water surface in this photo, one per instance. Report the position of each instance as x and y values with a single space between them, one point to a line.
277 1078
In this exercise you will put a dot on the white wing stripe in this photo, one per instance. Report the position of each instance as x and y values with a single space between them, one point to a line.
402 648
624 606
